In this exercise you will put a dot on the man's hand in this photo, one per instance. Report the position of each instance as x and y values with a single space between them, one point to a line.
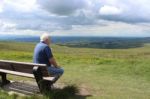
58 67
53 62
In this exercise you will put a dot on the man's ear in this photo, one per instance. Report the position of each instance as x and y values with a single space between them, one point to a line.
48 41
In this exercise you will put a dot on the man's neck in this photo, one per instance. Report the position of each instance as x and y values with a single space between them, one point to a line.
44 42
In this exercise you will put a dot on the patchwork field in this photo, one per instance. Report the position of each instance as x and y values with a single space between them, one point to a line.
104 73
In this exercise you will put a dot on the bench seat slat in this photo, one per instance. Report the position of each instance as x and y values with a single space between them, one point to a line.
17 73
23 63
49 78
22 67
25 74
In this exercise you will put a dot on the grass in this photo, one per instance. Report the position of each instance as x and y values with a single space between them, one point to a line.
65 93
105 73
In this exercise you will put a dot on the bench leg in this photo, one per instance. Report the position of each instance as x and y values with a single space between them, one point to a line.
4 79
47 85
42 84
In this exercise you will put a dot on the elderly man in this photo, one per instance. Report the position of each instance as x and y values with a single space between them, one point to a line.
43 55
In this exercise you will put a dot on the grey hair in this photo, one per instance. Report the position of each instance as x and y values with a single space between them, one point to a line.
44 37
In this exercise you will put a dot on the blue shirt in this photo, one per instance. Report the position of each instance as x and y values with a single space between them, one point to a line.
42 54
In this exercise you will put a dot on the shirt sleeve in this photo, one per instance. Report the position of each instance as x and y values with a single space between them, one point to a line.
48 52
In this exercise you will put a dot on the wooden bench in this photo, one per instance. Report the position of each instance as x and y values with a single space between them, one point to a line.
37 71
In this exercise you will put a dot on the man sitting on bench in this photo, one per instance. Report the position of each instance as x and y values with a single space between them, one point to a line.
43 55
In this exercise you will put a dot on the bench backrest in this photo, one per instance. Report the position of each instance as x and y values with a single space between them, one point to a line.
22 67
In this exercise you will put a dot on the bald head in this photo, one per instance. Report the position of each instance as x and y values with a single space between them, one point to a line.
45 38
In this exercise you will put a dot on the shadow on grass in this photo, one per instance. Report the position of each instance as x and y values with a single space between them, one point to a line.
68 92
11 91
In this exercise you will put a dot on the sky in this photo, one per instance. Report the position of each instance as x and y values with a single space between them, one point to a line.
118 18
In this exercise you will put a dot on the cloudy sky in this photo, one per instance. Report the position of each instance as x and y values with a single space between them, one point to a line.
75 17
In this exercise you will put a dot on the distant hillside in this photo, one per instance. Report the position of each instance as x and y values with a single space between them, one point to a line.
110 43
87 42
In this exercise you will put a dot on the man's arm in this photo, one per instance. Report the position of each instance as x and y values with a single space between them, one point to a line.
50 57
53 62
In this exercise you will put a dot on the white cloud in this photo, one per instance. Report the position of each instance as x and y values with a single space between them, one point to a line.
1 10
19 5
132 11
62 7
109 10
1 6
64 15
4 26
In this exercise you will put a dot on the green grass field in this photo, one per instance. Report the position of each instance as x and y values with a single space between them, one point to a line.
105 73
